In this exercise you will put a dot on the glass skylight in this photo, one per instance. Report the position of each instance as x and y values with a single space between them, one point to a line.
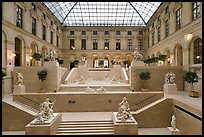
103 13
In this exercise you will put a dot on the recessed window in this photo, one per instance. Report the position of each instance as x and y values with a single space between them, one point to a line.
158 18
83 44
140 44
152 38
158 34
72 47
44 32
167 9
117 44
95 32
33 26
140 32
129 33
148 42
178 19
106 44
19 17
33 7
71 32
57 28
129 44
51 23
95 44
106 32
117 32
51 37
83 33
166 28
196 10
57 41
43 16
197 48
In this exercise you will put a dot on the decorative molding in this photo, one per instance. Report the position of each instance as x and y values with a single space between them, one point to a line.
177 6
22 5
34 14
52 28
44 22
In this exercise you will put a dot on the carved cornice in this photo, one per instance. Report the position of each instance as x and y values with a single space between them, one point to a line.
22 5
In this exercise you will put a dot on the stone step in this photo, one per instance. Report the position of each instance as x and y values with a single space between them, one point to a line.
105 133
86 131
88 125
84 122
84 128
27 107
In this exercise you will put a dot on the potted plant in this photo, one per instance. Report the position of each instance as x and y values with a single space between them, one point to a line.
42 74
191 77
146 75
37 56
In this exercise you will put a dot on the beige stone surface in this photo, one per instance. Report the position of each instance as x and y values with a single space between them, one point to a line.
46 129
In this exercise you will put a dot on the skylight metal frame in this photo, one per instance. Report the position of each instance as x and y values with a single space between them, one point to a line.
103 13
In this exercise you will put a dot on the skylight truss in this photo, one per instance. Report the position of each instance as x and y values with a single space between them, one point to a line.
103 13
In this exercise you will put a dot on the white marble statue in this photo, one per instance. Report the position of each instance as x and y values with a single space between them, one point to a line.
101 89
136 55
19 78
46 112
88 89
123 110
173 122
170 78
52 55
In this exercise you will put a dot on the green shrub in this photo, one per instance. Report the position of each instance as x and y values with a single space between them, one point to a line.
3 74
146 75
37 56
42 74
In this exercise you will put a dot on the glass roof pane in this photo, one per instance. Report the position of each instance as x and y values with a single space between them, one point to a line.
103 13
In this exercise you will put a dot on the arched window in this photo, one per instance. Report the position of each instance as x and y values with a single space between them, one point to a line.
17 52
197 50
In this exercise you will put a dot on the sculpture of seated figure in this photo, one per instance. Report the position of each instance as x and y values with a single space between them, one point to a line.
123 110
170 78
46 112
101 89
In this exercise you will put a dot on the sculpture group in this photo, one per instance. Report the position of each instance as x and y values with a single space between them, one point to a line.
46 112
170 78
123 111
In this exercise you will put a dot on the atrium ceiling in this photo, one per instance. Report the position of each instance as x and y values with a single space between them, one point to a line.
103 13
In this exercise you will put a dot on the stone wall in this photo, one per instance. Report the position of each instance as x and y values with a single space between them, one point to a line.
31 82
156 82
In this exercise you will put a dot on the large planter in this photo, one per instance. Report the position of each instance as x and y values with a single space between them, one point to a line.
193 94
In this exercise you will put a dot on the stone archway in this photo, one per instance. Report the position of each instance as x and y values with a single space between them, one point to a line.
178 55
95 58
168 60
18 52
33 48
106 58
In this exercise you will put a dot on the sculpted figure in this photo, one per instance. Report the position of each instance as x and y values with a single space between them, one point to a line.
173 122
136 55
123 110
19 78
170 78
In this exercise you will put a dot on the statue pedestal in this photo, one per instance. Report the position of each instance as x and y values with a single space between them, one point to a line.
170 88
130 127
174 132
50 63
137 63
49 128
19 89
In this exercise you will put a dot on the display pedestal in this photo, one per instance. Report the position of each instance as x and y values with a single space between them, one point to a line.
137 63
174 132
50 63
19 89
170 88
130 127
49 128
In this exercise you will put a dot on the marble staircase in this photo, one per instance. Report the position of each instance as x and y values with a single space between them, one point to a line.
99 127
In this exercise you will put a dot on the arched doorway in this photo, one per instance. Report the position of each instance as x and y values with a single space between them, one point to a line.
168 61
129 59
18 52
33 49
4 52
178 55
95 60
106 59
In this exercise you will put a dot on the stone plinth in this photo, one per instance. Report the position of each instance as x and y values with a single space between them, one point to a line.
19 89
44 129
130 127
170 88
50 63
137 63
174 131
